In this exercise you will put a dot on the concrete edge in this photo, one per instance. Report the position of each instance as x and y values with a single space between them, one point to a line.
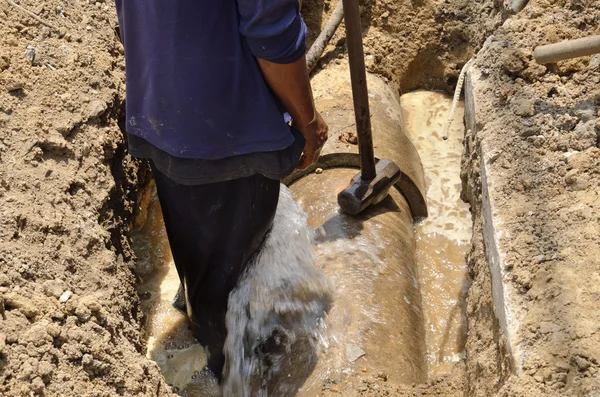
503 294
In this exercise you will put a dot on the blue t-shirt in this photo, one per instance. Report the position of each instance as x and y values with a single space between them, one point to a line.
194 88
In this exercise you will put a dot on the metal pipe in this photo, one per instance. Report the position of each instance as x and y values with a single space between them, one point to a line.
567 49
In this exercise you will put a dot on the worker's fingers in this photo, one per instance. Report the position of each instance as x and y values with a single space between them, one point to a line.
305 161
308 159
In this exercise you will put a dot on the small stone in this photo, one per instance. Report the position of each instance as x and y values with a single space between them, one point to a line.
53 288
30 54
571 176
581 363
363 369
65 296
354 352
96 109
594 63
523 107
319 171
87 359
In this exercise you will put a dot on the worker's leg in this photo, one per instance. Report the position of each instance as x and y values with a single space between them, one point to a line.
213 231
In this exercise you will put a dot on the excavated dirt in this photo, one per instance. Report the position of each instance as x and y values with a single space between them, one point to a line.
68 193
541 127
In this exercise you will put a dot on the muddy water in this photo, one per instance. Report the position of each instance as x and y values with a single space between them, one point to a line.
376 322
441 243
443 238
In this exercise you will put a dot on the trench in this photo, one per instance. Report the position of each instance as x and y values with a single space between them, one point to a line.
400 318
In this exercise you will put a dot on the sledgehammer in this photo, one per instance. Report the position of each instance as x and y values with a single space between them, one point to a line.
373 182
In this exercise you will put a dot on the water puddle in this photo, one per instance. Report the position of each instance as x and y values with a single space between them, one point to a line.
443 239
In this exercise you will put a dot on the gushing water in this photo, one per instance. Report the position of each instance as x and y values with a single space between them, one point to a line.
274 313
273 320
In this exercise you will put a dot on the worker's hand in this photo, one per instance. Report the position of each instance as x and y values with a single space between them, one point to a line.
315 134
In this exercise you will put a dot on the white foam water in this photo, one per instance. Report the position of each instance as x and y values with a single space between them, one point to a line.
274 314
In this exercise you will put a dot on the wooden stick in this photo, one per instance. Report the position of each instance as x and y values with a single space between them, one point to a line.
360 93
313 55
32 15
567 49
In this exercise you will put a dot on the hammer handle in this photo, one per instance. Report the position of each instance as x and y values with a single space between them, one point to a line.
360 94
567 49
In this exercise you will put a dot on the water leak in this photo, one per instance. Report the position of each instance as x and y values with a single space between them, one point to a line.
367 327
443 239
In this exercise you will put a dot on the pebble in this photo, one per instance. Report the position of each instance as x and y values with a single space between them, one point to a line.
53 288
571 176
65 296
30 53
523 107
319 171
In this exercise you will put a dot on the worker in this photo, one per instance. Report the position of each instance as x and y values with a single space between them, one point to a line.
219 101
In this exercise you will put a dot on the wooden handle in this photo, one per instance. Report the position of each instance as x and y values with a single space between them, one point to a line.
360 94
567 49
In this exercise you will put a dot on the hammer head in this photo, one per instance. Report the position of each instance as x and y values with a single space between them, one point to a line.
363 193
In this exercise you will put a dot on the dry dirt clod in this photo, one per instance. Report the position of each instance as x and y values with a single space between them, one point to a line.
24 305
523 107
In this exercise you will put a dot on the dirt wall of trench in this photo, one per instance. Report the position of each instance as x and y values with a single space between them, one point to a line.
67 195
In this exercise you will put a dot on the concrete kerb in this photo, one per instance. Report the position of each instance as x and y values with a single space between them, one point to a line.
506 305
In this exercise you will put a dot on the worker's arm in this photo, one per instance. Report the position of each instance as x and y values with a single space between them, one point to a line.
276 35
291 85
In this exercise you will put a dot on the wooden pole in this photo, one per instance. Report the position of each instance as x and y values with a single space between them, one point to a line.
567 49
360 94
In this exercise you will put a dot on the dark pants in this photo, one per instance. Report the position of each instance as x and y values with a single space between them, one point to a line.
213 231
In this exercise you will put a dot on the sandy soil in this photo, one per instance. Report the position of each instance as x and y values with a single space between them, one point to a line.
68 193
